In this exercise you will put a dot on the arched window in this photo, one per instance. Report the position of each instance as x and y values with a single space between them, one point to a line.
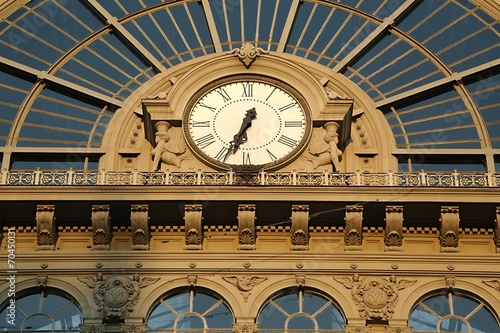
455 311
190 311
43 311
304 310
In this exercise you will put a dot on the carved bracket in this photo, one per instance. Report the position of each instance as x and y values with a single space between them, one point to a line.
114 295
497 230
46 230
375 297
300 227
449 224
140 227
353 233
194 229
101 226
246 227
393 228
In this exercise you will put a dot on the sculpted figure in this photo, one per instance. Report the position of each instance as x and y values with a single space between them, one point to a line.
168 146
327 151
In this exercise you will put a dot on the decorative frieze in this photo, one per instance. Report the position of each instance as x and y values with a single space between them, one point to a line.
101 227
246 227
375 297
116 295
393 228
245 328
449 228
353 232
46 234
300 227
92 328
133 328
140 227
194 230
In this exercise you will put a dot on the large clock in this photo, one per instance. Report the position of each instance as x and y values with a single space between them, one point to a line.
247 122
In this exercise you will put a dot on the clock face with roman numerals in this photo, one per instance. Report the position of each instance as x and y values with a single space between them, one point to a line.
247 122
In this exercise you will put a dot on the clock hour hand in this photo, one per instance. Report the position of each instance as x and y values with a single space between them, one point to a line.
241 137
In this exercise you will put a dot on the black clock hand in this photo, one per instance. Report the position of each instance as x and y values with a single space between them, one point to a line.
241 137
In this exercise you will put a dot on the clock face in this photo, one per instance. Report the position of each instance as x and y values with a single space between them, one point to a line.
247 122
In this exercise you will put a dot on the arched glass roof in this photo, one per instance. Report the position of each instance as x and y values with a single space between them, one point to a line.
431 67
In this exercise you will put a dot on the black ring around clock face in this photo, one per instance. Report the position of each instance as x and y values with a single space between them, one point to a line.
247 122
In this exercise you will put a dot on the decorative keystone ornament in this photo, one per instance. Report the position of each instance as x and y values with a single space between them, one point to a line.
375 297
116 296
247 54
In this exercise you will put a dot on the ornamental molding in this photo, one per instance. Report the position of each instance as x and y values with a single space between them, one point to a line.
247 54
115 295
245 328
92 328
375 297
244 283
495 284
133 328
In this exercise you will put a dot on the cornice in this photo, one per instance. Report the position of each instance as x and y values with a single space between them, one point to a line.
249 193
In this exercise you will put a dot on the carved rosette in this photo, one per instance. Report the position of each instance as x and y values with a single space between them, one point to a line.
246 227
300 227
393 228
375 297
116 296
140 227
101 226
247 54
46 227
194 229
245 328
354 228
449 229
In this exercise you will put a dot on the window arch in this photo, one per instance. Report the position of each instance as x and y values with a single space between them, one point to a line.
453 311
190 311
305 310
47 310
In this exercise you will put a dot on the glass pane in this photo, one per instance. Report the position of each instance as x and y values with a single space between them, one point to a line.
301 322
421 320
271 317
190 321
453 325
38 323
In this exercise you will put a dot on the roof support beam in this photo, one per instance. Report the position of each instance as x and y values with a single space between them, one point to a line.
211 25
373 36
410 94
43 75
288 25
113 21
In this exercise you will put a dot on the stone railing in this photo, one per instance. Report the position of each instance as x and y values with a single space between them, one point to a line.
398 179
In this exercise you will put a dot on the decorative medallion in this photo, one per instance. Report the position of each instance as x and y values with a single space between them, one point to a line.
375 297
116 296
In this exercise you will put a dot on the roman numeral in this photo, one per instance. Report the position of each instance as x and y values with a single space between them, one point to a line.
221 155
247 89
224 94
287 141
271 155
246 158
211 108
205 123
205 141
293 123
271 93
286 107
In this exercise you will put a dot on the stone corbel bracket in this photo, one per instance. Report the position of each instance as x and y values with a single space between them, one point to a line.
353 233
101 226
393 228
46 230
300 227
194 229
449 229
497 230
140 227
246 227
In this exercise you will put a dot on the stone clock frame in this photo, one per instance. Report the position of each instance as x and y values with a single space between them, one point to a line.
365 141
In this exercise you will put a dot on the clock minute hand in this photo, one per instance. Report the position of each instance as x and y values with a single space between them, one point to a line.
241 137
